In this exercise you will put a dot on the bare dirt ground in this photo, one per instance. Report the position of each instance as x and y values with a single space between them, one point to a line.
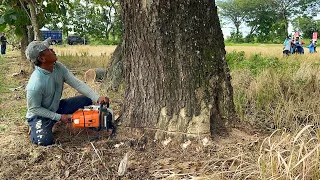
88 156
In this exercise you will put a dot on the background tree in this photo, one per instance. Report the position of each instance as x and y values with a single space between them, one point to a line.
13 18
32 5
263 20
20 14
56 17
291 8
41 13
233 11
306 24
268 20
97 19
177 79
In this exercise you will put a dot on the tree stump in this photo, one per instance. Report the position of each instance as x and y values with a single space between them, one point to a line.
94 75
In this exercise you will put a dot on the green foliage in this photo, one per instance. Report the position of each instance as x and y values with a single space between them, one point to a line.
256 63
98 20
94 20
274 93
264 21
22 110
233 10
3 87
235 37
306 24
104 42
14 16
241 44
3 128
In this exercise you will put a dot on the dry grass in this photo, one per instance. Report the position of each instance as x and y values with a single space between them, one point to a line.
284 95
81 58
80 50
274 50
287 100
290 156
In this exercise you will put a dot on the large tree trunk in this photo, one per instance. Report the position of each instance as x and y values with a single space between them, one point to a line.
177 79
34 21
115 75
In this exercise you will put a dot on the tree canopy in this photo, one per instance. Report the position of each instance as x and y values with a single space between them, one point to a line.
95 19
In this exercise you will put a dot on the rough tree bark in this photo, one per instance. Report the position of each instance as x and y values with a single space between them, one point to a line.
115 74
95 74
177 79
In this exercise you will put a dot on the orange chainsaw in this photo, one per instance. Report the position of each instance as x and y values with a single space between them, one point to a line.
94 117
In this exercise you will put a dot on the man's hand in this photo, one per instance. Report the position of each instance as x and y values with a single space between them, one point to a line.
65 118
104 100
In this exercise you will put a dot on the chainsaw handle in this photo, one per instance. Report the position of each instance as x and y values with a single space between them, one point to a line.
103 103
100 114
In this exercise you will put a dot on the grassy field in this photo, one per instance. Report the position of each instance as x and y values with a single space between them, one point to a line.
277 97
281 96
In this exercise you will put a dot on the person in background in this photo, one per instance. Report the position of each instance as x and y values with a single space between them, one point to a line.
3 43
287 46
311 47
44 91
297 46
315 43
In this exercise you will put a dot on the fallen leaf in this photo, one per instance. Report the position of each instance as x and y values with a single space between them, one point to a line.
123 165
205 141
63 163
118 145
167 141
67 173
186 144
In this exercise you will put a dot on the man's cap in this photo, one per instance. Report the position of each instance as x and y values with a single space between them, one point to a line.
36 47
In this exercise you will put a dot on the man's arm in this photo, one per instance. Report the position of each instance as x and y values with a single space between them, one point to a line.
79 85
34 106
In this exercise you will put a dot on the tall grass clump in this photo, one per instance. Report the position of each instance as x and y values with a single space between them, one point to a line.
272 93
83 59
285 155
280 96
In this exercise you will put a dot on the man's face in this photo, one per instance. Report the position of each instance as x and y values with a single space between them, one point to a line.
48 56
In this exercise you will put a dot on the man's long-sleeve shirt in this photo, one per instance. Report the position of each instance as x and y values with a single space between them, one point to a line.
44 91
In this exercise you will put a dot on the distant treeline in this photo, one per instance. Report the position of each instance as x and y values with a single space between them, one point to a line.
268 20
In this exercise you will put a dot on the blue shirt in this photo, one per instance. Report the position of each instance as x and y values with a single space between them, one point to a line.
44 91
287 44
311 48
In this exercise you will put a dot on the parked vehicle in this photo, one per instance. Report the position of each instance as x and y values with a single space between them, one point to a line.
56 36
72 40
